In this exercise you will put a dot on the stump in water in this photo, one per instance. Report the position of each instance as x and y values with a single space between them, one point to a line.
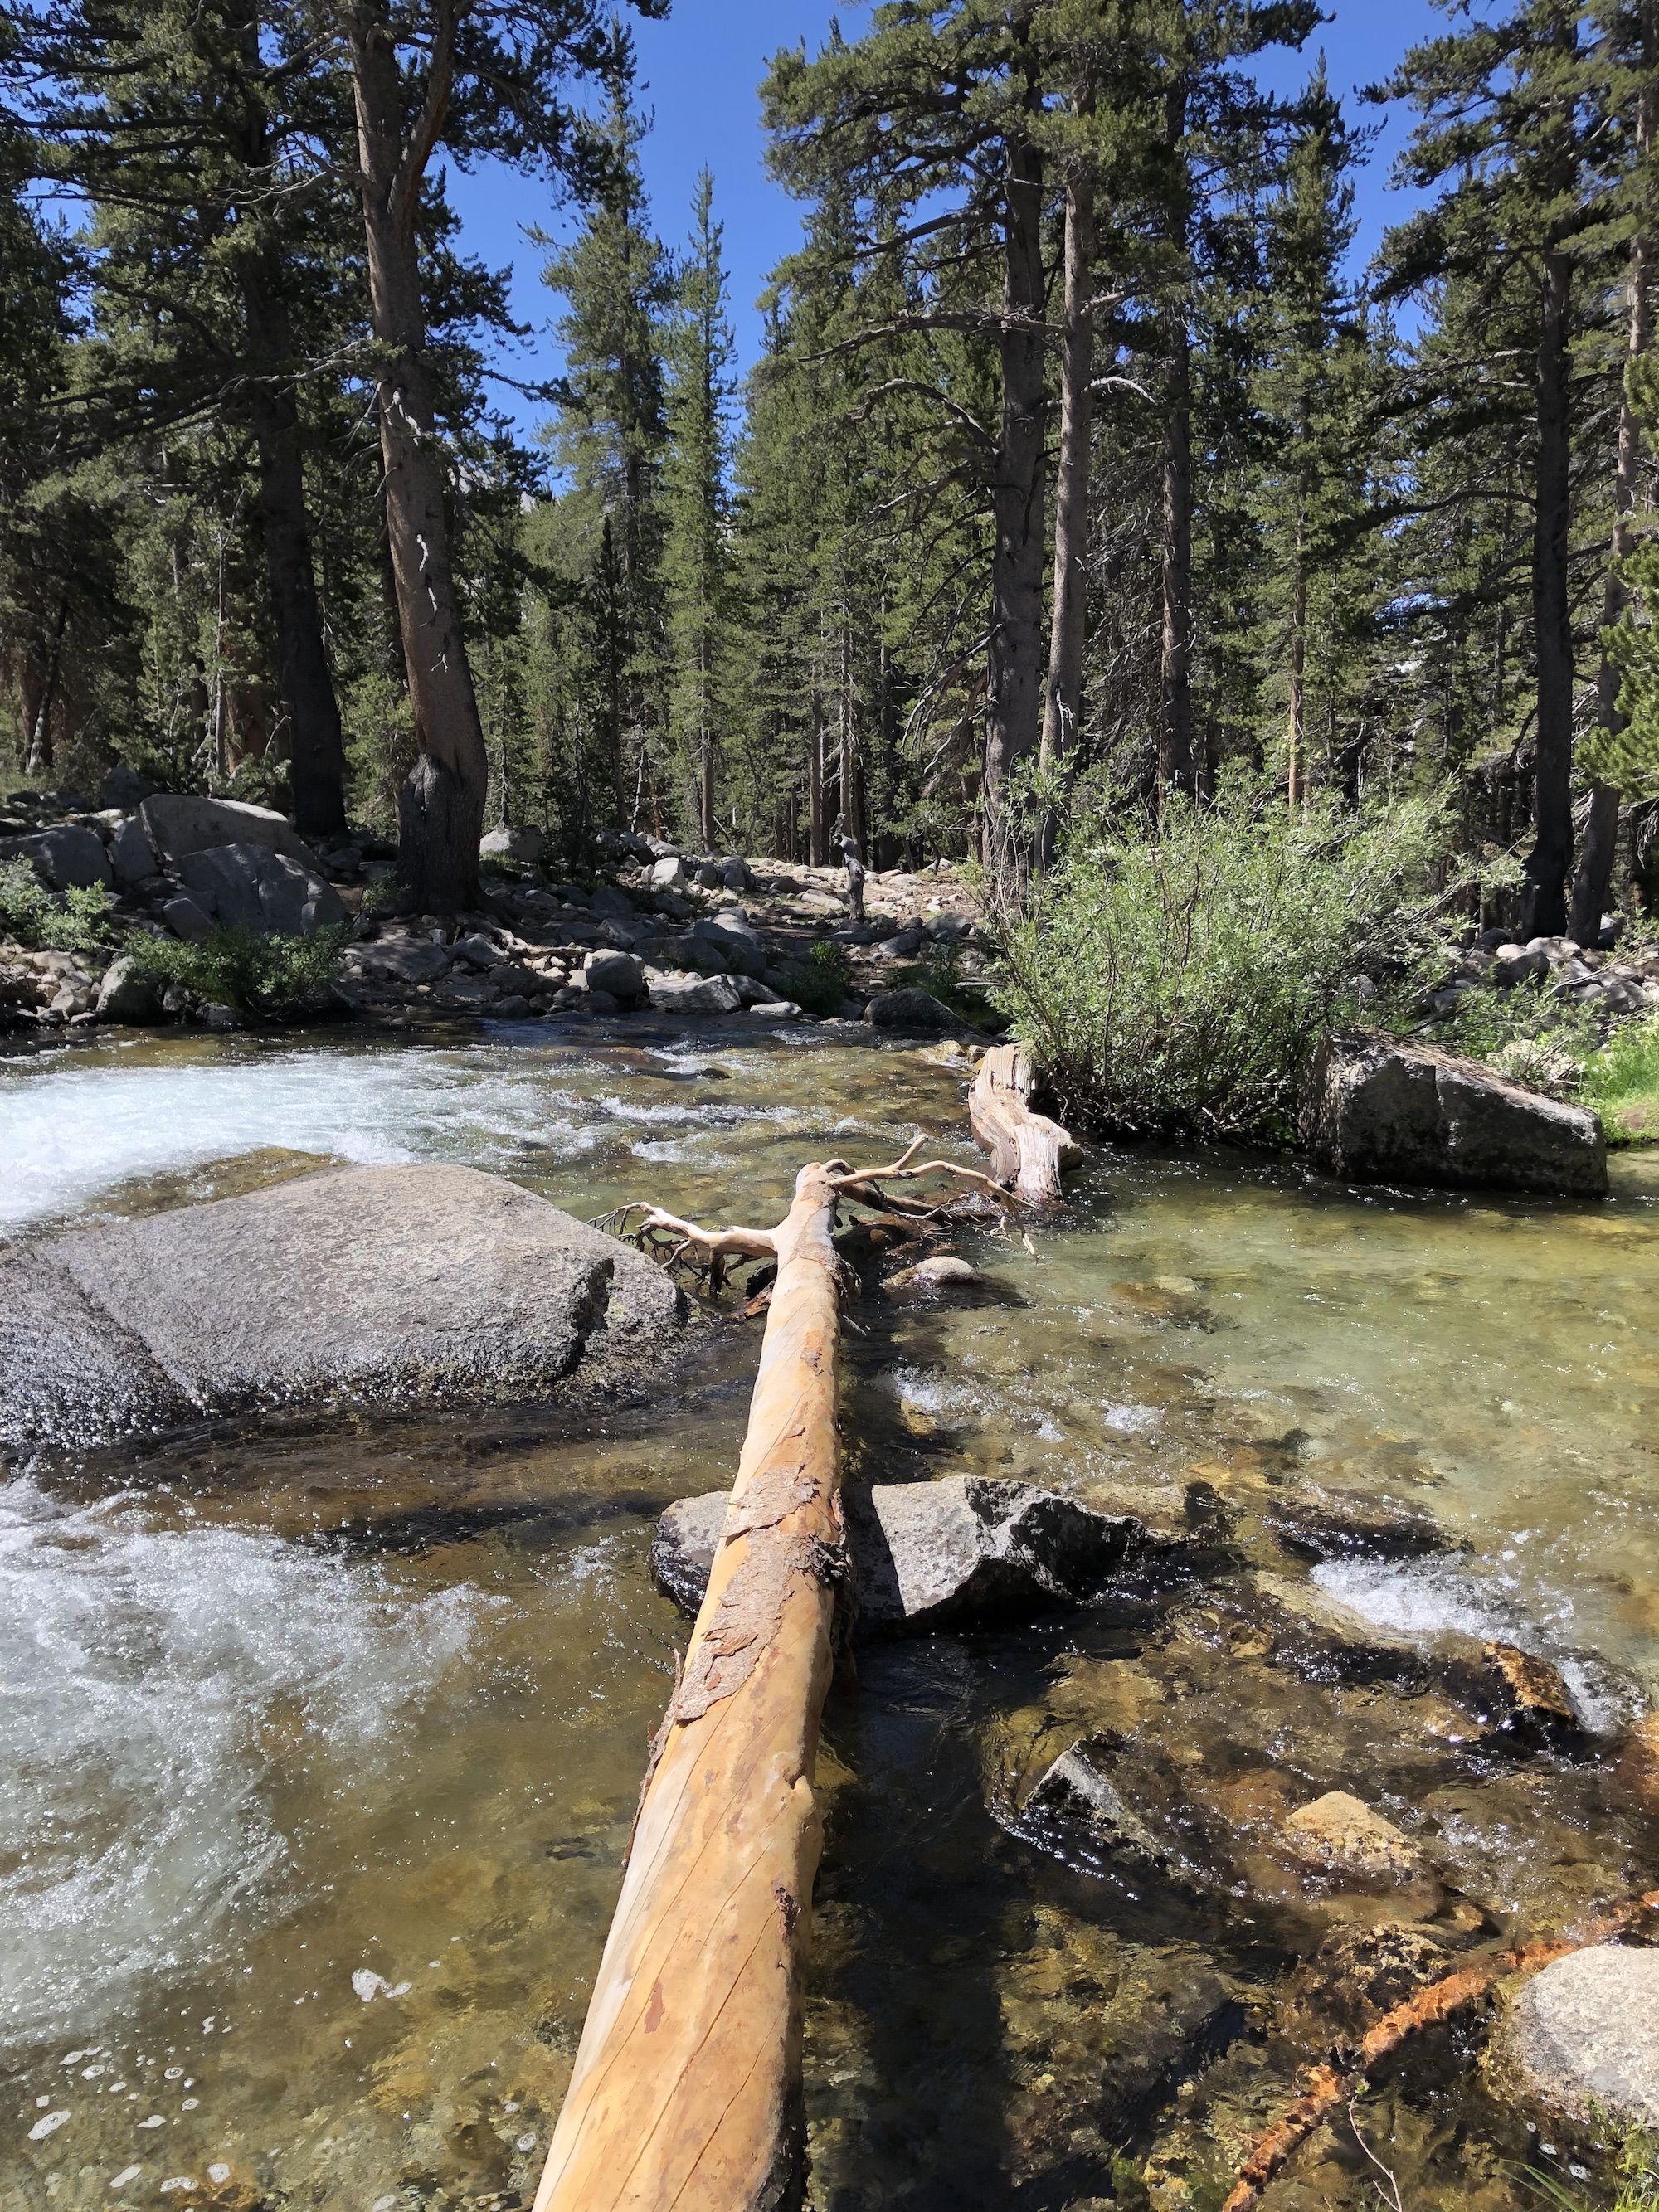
687 2084
1028 1151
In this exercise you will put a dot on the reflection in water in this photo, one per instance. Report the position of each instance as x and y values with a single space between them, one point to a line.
322 1741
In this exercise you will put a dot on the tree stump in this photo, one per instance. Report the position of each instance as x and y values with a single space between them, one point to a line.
1028 1151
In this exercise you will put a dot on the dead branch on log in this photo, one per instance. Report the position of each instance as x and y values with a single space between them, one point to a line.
1328 2085
1028 1151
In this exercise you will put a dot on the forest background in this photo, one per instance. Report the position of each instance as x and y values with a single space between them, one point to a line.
1082 453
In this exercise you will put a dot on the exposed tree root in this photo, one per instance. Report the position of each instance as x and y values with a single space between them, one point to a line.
1328 2085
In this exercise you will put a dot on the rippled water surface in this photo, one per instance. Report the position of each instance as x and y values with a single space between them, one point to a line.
321 1743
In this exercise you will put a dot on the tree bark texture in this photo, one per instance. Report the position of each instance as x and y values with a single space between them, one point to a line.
1013 701
686 2090
1068 612
1028 1151
1594 875
1175 739
440 807
1546 902
817 827
39 753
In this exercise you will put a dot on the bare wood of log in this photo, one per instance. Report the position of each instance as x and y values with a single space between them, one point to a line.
686 2090
1328 2085
1028 1151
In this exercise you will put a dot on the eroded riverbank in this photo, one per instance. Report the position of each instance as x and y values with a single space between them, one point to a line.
304 1718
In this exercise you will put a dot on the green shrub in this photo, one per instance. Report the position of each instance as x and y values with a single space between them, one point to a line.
1173 976
267 977
821 981
76 920
1621 1082
1523 1030
939 974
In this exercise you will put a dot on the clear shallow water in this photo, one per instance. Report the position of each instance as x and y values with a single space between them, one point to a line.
322 1745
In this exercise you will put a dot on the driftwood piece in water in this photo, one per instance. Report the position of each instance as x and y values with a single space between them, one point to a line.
1327 2087
1028 1151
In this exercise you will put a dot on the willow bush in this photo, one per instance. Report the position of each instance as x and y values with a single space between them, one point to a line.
1174 975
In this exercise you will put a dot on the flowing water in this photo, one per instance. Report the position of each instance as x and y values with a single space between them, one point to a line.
320 1739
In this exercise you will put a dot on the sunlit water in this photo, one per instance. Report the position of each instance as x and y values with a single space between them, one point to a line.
321 1743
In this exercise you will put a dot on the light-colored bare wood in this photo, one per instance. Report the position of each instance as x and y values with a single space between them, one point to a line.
1028 1151
686 2091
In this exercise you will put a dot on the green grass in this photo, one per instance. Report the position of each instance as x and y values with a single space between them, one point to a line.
1621 1082
265 977
1627 2179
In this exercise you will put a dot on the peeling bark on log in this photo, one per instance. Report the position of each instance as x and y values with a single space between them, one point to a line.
1028 1151
687 2084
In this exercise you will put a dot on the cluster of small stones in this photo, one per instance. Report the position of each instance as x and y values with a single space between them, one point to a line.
658 926
1606 981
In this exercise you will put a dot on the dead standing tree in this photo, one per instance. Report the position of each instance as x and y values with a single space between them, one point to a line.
686 2089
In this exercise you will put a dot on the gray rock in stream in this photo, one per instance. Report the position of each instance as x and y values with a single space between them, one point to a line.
1374 1110
944 1555
1583 2036
390 1285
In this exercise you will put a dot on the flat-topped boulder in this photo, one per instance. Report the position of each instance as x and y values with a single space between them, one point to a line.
252 887
1583 2036
178 823
388 1284
942 1554
1375 1110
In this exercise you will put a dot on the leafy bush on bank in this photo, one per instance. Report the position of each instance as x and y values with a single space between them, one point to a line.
266 977
1173 975
77 921
821 981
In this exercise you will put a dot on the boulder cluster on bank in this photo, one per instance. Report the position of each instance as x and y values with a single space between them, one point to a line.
686 934
1603 978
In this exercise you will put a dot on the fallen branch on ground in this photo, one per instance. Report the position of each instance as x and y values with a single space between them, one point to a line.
1329 2086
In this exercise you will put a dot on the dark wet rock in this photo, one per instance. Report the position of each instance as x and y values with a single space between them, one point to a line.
252 887
388 1284
177 823
1360 1972
1527 1697
1335 1525
694 995
1081 1808
945 1554
618 974
1583 2036
915 1009
1374 1110
1325 1641
68 859
944 1272
127 994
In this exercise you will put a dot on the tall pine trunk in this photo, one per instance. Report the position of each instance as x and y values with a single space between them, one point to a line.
817 827
1546 904
1296 776
1012 719
1175 735
39 753
1068 616
442 804
1594 875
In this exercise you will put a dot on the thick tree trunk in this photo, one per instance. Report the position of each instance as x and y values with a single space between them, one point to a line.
1546 903
39 753
817 827
1014 703
1594 875
852 762
687 2084
1068 613
440 807
1174 737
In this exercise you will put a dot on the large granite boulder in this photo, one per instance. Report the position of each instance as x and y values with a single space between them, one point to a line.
250 887
912 1008
940 1555
178 823
128 994
67 858
1375 1110
730 936
527 846
389 1285
694 995
1583 2036
131 855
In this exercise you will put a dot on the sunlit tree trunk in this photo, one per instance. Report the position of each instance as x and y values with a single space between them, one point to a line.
1068 618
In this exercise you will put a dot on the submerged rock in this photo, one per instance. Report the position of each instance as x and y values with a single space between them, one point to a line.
1583 2036
944 1555
1374 1110
385 1284
1077 1797
1339 1835
945 1271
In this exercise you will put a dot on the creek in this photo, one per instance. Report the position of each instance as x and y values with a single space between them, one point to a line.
322 1737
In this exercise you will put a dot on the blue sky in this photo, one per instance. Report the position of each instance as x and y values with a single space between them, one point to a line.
700 70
